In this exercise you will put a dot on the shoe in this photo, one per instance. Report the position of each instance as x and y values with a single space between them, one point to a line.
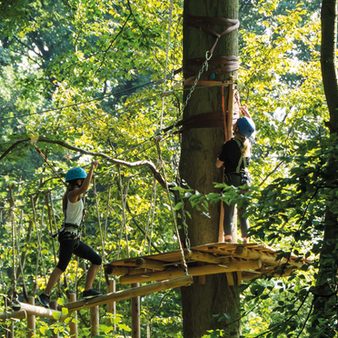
227 238
44 300
91 293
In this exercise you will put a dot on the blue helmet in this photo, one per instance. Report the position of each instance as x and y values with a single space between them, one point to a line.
246 126
75 174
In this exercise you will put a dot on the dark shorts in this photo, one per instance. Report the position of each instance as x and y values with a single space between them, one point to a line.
75 246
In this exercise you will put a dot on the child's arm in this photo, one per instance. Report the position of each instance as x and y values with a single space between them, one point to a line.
74 195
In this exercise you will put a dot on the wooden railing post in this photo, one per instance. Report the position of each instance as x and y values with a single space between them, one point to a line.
111 307
73 323
31 319
94 320
53 305
135 314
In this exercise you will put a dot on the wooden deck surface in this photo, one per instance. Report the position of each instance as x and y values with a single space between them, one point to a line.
247 261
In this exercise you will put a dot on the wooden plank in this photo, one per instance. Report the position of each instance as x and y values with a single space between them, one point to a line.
204 257
130 293
206 253
210 269
149 264
115 270
162 257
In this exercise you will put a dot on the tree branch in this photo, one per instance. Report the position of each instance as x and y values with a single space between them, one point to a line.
144 163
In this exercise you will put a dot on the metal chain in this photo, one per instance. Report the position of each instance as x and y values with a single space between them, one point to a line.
185 228
204 68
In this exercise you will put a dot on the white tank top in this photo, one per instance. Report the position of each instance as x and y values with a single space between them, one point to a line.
74 212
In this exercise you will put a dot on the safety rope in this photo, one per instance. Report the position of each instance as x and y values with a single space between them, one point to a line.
48 198
184 262
44 157
227 122
123 195
14 239
151 213
107 216
97 207
166 59
21 259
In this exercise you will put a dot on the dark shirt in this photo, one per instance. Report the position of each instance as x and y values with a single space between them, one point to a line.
231 155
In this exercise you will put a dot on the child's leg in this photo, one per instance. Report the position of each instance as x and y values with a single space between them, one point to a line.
65 254
53 279
228 220
86 252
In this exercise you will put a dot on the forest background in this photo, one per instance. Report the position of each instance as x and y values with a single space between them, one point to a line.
96 79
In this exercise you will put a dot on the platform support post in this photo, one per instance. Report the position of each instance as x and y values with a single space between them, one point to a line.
94 320
73 324
111 307
135 314
31 319
53 305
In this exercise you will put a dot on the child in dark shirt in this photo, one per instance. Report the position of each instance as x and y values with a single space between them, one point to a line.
234 157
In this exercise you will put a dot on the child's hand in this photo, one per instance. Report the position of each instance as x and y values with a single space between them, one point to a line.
245 111
95 164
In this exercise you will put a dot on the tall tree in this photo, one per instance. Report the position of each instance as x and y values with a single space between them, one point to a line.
325 293
210 304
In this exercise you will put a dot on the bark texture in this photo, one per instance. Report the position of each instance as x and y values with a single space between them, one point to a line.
210 304
325 304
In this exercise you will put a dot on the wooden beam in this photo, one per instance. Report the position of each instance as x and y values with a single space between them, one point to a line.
205 257
193 271
266 257
249 253
117 271
130 293
21 314
149 264
24 309
38 311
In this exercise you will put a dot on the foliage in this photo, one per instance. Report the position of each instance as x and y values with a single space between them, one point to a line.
96 75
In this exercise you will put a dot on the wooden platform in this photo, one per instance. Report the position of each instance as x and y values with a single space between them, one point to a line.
237 261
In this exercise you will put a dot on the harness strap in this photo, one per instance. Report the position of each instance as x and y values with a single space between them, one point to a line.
242 160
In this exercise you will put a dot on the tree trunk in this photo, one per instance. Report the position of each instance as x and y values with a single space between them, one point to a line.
325 301
211 303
